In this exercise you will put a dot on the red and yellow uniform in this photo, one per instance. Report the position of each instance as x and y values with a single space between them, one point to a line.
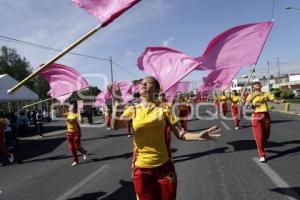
3 151
128 124
216 103
235 101
223 104
184 111
260 119
74 135
107 115
154 174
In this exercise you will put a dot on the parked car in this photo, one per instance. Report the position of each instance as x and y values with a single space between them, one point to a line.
296 92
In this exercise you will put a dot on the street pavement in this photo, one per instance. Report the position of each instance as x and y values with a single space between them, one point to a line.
226 169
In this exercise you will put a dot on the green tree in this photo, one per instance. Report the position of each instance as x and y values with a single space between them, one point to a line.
14 65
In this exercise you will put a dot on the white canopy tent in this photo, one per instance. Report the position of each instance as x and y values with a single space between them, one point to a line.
20 98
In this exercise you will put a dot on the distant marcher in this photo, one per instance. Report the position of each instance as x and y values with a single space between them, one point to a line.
74 133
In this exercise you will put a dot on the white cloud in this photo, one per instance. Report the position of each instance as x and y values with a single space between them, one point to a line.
167 42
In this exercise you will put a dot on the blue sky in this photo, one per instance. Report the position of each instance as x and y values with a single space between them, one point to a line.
186 25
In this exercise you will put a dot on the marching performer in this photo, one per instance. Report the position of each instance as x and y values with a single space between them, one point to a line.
235 105
260 117
74 133
153 173
223 103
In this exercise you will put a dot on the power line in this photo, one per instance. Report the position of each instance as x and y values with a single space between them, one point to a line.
31 44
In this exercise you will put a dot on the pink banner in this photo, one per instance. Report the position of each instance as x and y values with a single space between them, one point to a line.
63 81
106 10
237 47
167 65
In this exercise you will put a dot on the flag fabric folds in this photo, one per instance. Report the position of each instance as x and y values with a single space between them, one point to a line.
126 91
218 79
167 65
63 81
237 47
106 10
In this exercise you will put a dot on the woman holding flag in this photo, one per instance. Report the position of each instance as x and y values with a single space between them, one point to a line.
74 133
260 118
153 173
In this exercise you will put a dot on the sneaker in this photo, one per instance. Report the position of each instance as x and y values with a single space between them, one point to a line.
236 128
129 136
85 156
262 159
11 158
108 128
74 163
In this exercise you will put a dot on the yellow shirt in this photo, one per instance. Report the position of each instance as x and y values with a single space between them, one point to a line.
235 100
260 102
73 125
223 99
149 133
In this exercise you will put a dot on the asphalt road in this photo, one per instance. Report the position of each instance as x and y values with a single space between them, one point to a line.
226 169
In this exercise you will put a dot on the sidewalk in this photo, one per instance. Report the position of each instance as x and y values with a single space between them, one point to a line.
55 128
294 108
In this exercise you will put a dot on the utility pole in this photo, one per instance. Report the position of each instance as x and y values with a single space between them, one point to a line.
278 66
111 69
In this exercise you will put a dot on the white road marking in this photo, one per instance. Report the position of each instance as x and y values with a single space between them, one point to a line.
275 178
82 183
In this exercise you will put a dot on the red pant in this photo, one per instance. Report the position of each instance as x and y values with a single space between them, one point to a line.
3 151
129 125
107 121
74 144
261 130
224 108
159 183
235 115
183 115
217 107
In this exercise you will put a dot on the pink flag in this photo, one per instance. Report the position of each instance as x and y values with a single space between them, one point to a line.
237 47
167 65
182 86
63 81
102 97
126 91
106 10
218 79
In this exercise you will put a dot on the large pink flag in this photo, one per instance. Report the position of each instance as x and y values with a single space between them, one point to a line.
106 10
218 79
167 65
182 87
63 81
237 47
102 97
126 91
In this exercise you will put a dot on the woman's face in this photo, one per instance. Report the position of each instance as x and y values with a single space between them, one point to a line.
234 93
147 87
257 87
72 108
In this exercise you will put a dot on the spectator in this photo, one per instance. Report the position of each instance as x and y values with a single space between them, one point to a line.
39 122
22 123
